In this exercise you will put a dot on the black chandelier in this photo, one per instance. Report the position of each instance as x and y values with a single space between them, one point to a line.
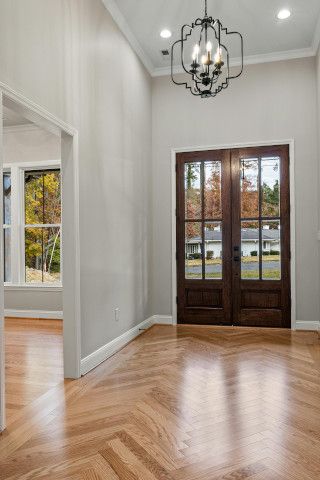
210 74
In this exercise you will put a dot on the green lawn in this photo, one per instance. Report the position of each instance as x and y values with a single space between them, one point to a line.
273 274
218 261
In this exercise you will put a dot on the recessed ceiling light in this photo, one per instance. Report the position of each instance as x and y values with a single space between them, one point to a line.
165 33
283 14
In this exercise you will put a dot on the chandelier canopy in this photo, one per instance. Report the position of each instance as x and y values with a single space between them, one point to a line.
205 56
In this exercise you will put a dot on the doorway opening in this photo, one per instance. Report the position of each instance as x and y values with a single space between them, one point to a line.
233 237
40 287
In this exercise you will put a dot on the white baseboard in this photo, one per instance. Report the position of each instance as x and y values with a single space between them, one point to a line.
34 314
314 326
162 319
106 351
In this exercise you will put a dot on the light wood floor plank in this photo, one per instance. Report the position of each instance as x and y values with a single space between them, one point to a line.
177 403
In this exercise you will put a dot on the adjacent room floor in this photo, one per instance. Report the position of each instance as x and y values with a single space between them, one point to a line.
179 403
34 361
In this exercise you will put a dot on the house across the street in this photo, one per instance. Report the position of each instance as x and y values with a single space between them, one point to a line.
249 242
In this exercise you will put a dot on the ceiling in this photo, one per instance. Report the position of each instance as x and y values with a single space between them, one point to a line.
265 37
12 119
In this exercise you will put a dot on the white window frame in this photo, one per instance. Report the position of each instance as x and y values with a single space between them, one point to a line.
18 225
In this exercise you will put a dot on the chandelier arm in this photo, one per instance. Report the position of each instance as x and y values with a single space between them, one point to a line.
185 84
172 58
241 68
184 39
225 29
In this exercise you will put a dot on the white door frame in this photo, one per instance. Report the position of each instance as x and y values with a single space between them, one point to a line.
174 151
70 232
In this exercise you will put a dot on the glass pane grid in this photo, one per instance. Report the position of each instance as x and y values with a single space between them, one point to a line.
260 219
42 226
203 220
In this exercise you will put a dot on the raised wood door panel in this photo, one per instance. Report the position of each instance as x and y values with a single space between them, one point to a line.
261 214
204 237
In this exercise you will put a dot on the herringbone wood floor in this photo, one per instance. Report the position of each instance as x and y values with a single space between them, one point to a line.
34 361
180 403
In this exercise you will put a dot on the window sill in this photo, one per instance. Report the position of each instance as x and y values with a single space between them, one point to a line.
32 287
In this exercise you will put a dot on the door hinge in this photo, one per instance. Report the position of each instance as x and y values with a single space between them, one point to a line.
176 255
176 167
177 300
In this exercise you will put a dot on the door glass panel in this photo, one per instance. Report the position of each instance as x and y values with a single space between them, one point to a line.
213 250
192 185
193 246
249 188
271 258
212 190
250 250
270 184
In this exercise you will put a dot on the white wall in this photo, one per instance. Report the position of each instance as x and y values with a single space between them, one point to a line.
69 57
29 144
273 101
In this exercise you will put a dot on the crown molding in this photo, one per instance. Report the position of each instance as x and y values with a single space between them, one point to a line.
249 60
121 22
119 19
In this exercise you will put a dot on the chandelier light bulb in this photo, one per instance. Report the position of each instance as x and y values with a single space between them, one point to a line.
218 57
195 55
209 47
204 59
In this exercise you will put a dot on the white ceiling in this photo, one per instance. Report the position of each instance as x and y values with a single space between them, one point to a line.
265 37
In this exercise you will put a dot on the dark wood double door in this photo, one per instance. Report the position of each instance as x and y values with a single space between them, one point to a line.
233 237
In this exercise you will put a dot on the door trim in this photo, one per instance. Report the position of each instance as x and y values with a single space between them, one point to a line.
71 231
174 151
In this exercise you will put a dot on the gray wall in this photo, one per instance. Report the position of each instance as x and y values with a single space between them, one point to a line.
273 101
31 144
33 299
69 57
